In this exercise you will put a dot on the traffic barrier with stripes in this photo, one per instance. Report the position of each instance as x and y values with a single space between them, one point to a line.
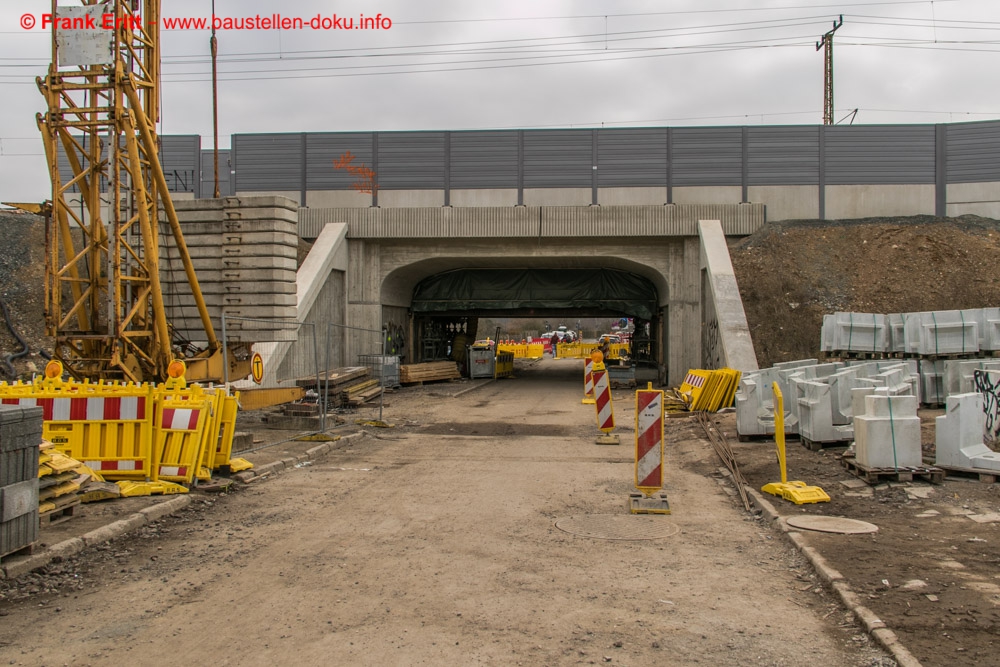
584 350
588 381
602 399
109 428
710 391
181 422
649 440
135 433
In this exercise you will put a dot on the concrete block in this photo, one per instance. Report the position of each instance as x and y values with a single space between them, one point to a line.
959 435
887 435
752 418
932 389
816 416
826 333
958 374
841 383
859 332
941 332
897 336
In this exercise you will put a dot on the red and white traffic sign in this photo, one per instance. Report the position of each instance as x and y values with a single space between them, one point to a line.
588 381
649 440
602 399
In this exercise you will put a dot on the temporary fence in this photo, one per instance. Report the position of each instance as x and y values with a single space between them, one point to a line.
135 433
584 350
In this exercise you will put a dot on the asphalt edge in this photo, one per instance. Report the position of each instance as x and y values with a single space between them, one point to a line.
22 565
875 627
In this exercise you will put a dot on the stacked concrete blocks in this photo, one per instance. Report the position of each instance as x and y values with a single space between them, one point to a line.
20 435
941 332
857 333
887 435
959 435
244 251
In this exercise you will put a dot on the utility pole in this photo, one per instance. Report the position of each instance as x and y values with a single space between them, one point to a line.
826 42
214 44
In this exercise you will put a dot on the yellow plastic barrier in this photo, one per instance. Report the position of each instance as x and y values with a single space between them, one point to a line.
107 427
710 391
504 367
536 350
181 425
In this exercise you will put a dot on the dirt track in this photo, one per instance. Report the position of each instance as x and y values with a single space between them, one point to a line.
431 544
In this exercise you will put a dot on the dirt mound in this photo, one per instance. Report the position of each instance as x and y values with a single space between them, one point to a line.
791 273
22 289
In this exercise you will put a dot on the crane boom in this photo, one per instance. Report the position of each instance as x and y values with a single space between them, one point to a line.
104 305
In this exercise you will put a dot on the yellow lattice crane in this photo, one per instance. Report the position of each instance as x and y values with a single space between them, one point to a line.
104 305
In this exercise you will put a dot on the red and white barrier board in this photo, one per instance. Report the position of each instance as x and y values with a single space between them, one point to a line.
602 399
649 440
588 380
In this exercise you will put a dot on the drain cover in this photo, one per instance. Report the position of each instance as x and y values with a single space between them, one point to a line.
618 526
831 524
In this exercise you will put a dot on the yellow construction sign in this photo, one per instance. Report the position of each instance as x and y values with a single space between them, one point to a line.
796 492
710 391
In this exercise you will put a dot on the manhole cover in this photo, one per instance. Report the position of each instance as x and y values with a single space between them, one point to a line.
618 526
831 524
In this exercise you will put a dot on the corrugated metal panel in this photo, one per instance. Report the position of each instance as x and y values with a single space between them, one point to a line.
707 156
180 156
484 159
558 158
208 173
973 152
323 149
879 154
267 162
524 221
411 160
783 155
632 157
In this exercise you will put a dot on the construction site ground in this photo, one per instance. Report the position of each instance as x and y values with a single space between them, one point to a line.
474 532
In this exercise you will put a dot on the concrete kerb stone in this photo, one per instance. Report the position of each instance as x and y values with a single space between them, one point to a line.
473 388
310 454
875 626
75 545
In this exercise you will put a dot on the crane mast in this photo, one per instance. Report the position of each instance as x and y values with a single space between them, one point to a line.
104 304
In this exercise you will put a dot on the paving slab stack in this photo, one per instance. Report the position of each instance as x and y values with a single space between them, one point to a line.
20 436
244 251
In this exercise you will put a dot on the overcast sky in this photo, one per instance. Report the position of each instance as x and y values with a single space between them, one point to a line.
551 63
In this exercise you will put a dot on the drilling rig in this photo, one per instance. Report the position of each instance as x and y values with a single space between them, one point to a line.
104 306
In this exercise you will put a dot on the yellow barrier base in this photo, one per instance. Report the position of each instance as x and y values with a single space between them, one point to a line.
640 504
239 465
588 401
131 489
797 492
608 439
97 491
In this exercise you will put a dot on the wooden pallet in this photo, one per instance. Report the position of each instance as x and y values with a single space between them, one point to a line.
985 476
932 474
26 550
431 371
58 515
814 446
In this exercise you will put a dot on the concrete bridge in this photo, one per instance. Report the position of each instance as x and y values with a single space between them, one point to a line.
408 268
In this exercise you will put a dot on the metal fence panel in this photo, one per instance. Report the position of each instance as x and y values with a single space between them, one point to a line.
707 156
879 154
973 152
484 159
323 148
783 155
558 158
411 160
632 157
267 162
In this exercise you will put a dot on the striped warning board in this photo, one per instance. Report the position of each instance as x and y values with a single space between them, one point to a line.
588 381
649 440
602 399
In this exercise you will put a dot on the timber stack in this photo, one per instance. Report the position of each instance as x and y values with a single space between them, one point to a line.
428 372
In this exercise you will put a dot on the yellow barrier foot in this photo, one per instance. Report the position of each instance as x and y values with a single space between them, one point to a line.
239 465
132 489
100 491
608 439
797 492
216 485
640 504
588 401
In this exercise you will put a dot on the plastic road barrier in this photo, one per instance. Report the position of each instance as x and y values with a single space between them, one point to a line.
588 381
107 427
649 440
181 423
602 399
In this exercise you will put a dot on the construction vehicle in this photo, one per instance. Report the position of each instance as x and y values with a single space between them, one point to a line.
104 306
